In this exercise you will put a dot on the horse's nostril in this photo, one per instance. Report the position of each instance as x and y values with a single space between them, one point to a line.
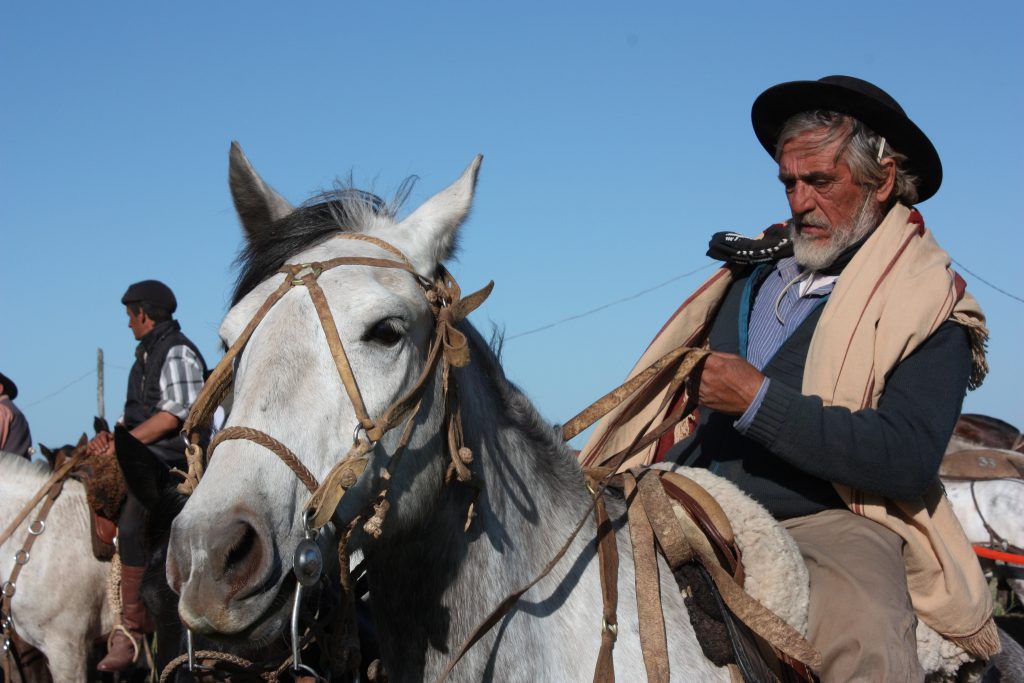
236 555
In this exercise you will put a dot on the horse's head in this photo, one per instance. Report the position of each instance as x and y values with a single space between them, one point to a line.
232 545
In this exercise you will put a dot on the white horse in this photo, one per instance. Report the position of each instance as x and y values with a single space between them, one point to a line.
430 581
60 604
997 504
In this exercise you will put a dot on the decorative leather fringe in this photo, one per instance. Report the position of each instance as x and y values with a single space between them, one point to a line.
978 334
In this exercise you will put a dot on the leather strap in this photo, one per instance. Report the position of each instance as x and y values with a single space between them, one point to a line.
270 443
710 518
648 588
687 359
345 374
52 489
608 562
686 534
59 475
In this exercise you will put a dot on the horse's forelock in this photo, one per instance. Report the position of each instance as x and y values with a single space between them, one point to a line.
342 209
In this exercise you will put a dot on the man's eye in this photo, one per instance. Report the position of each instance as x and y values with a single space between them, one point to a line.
387 332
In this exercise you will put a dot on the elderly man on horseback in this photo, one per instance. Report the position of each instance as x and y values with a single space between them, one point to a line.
842 345
162 386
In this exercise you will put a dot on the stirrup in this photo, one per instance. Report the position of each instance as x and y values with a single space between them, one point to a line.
129 636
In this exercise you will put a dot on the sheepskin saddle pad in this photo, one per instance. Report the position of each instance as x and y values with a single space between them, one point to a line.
775 575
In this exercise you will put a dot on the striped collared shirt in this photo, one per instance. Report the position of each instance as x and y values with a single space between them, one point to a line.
786 297
181 378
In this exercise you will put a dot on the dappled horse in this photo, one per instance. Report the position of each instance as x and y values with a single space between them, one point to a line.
59 604
431 578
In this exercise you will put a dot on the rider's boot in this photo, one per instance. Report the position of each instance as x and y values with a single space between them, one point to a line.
125 642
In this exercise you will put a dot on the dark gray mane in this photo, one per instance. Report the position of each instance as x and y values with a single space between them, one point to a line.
517 409
343 209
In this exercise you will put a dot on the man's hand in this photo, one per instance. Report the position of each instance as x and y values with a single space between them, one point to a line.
101 444
726 383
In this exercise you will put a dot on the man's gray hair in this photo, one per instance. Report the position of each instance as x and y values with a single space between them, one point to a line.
860 146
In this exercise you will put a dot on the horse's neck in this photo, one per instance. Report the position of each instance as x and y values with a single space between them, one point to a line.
436 582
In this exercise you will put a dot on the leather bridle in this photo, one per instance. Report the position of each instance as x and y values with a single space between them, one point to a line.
448 347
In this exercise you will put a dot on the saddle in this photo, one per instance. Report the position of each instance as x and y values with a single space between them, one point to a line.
982 464
733 628
105 491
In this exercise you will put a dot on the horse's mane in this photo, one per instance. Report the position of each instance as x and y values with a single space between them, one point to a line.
517 409
343 209
12 464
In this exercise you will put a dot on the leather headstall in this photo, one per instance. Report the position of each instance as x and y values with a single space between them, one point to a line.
448 347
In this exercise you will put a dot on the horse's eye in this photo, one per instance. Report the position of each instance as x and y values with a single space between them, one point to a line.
387 332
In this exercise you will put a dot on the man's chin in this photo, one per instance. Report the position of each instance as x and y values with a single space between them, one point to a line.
814 254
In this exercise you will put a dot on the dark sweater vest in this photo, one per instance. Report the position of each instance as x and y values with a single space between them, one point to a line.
144 384
716 445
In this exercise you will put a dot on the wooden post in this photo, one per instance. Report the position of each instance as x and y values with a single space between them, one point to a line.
99 383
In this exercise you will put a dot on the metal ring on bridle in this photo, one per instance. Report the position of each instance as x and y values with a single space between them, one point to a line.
8 589
366 436
304 668
21 557
315 269
32 527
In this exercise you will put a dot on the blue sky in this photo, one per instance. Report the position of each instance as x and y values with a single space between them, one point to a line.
616 139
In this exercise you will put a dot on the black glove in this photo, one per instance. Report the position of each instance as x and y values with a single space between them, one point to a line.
733 247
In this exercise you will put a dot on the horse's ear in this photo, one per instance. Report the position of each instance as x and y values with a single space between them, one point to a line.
257 204
82 440
144 474
431 231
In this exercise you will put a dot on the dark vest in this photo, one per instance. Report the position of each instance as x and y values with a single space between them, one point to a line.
716 445
144 384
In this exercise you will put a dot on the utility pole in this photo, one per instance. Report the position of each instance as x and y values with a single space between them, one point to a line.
99 383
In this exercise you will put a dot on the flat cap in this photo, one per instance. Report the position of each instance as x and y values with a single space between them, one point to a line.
153 291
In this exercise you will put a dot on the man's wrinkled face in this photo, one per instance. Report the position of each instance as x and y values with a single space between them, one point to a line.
830 210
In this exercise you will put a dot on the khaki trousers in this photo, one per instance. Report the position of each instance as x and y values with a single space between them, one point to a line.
860 616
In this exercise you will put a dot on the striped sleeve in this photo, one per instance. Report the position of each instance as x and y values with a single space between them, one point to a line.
181 378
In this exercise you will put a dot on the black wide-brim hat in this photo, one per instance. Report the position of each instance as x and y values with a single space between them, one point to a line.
865 102
10 388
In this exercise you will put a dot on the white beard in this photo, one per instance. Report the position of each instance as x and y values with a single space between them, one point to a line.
815 254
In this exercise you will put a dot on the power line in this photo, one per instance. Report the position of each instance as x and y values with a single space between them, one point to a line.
610 303
66 386
983 280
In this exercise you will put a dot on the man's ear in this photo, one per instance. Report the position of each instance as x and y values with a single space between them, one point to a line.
883 193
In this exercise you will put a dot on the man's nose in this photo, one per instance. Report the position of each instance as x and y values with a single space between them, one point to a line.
801 199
